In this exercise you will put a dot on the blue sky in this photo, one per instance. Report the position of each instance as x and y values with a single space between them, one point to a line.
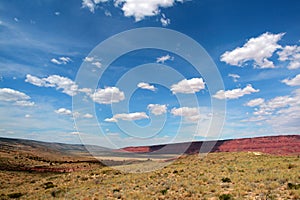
255 46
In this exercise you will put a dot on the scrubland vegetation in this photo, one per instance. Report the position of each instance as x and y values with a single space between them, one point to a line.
216 176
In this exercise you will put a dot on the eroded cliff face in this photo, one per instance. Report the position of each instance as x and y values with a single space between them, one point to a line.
278 145
141 149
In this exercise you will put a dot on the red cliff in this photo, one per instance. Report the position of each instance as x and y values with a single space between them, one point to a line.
279 145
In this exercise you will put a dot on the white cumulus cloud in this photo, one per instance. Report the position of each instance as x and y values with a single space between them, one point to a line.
89 59
102 96
61 60
88 116
94 61
63 111
65 84
258 49
7 94
146 86
108 95
157 109
235 93
139 9
188 113
291 54
97 64
292 82
107 13
163 59
110 120
91 4
24 103
128 117
188 86
35 80
235 77
255 102
164 20
11 95
268 108
67 112
282 112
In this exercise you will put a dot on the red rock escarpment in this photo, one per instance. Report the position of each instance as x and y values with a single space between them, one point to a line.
279 145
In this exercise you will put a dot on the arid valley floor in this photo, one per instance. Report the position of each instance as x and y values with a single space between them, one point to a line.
222 175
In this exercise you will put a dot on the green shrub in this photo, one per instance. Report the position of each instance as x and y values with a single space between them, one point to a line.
164 191
15 195
116 190
226 197
292 186
260 170
290 166
49 185
58 193
226 180
84 178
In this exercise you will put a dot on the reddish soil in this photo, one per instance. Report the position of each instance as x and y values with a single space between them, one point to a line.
54 170
278 145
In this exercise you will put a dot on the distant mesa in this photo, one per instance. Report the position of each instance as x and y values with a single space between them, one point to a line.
277 145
